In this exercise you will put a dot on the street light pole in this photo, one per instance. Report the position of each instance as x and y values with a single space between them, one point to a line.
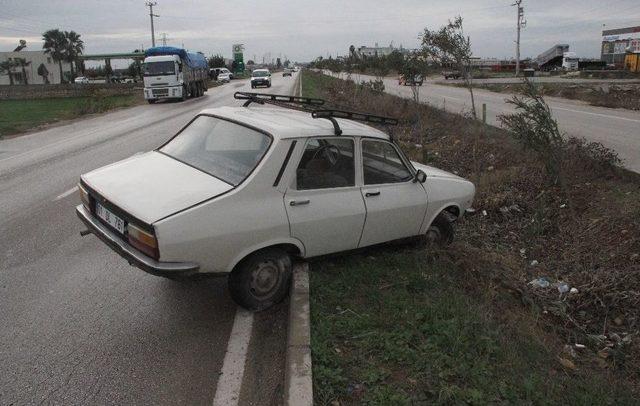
519 25
150 4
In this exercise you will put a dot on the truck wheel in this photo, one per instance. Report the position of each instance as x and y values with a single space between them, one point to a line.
184 93
151 101
261 280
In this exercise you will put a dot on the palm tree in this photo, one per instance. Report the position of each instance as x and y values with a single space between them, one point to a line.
55 44
22 63
7 67
74 48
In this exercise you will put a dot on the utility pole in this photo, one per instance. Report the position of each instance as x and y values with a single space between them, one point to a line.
520 11
150 4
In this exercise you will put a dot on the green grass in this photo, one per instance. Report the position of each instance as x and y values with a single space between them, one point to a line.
397 326
21 115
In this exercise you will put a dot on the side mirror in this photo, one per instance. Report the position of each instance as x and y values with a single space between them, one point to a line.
420 176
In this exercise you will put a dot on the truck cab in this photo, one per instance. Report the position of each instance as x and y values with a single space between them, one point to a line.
163 77
570 61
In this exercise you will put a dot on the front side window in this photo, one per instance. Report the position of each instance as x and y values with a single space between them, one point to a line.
220 148
159 68
382 164
326 163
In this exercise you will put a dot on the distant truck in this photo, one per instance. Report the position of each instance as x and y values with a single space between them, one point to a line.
174 73
570 61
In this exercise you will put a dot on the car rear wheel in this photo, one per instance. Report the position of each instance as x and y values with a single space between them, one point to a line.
261 280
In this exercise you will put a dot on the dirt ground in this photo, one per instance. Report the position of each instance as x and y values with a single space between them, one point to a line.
569 253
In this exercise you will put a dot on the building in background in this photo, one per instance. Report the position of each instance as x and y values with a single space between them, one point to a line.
367 52
616 43
39 68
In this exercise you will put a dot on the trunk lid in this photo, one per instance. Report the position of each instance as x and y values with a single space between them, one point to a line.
151 186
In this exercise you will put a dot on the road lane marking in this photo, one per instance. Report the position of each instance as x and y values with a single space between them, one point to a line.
594 114
230 380
67 193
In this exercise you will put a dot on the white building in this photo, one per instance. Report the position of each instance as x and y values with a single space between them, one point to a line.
40 68
365 51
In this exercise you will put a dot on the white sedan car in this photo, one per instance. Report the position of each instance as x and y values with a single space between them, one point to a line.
245 190
81 80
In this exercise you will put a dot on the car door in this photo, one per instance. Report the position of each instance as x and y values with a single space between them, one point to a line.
324 205
395 204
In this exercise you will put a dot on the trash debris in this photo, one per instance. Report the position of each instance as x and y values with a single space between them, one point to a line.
470 210
567 363
490 168
573 290
562 206
418 145
509 209
568 349
540 283
484 213
563 287
580 346
534 263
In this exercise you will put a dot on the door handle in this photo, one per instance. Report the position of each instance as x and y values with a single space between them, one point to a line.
298 202
370 194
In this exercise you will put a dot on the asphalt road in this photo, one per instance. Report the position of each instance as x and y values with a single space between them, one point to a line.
78 325
618 129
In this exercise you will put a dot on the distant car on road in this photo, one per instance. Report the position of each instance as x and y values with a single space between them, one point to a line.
224 77
81 79
287 72
215 72
243 191
453 74
416 80
260 77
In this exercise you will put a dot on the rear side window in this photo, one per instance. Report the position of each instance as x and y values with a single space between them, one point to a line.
220 148
382 164
326 163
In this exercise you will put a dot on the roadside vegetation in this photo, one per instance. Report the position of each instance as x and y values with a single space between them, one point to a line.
536 301
624 96
18 116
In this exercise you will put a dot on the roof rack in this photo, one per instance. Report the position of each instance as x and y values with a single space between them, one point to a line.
261 98
331 115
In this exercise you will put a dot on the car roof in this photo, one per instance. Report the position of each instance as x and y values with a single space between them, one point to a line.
260 70
283 123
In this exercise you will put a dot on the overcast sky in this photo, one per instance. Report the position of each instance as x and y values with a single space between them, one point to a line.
304 29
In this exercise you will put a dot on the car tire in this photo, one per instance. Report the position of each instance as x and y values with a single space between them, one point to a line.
151 101
261 280
440 232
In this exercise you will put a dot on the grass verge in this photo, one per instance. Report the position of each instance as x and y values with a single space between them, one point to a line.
626 96
402 325
18 116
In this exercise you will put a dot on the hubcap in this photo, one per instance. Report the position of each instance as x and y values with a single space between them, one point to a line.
265 278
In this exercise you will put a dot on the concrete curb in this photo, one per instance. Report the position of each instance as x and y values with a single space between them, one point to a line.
298 383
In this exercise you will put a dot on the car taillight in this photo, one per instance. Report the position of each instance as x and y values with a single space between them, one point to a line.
84 197
143 240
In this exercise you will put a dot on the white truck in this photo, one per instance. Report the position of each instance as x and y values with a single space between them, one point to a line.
174 73
570 61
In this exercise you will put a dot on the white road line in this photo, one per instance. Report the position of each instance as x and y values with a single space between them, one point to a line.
67 193
594 114
230 381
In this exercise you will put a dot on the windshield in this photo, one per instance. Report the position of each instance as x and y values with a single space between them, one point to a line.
260 73
159 68
220 148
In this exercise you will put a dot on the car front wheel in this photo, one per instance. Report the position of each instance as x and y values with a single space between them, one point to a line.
440 232
261 280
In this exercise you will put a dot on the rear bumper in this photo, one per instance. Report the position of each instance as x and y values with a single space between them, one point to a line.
132 255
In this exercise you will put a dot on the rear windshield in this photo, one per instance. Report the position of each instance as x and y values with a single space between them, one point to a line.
220 148
159 68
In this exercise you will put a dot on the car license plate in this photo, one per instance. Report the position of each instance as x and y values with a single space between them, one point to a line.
110 218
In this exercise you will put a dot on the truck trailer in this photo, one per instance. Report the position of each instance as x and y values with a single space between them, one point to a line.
174 73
